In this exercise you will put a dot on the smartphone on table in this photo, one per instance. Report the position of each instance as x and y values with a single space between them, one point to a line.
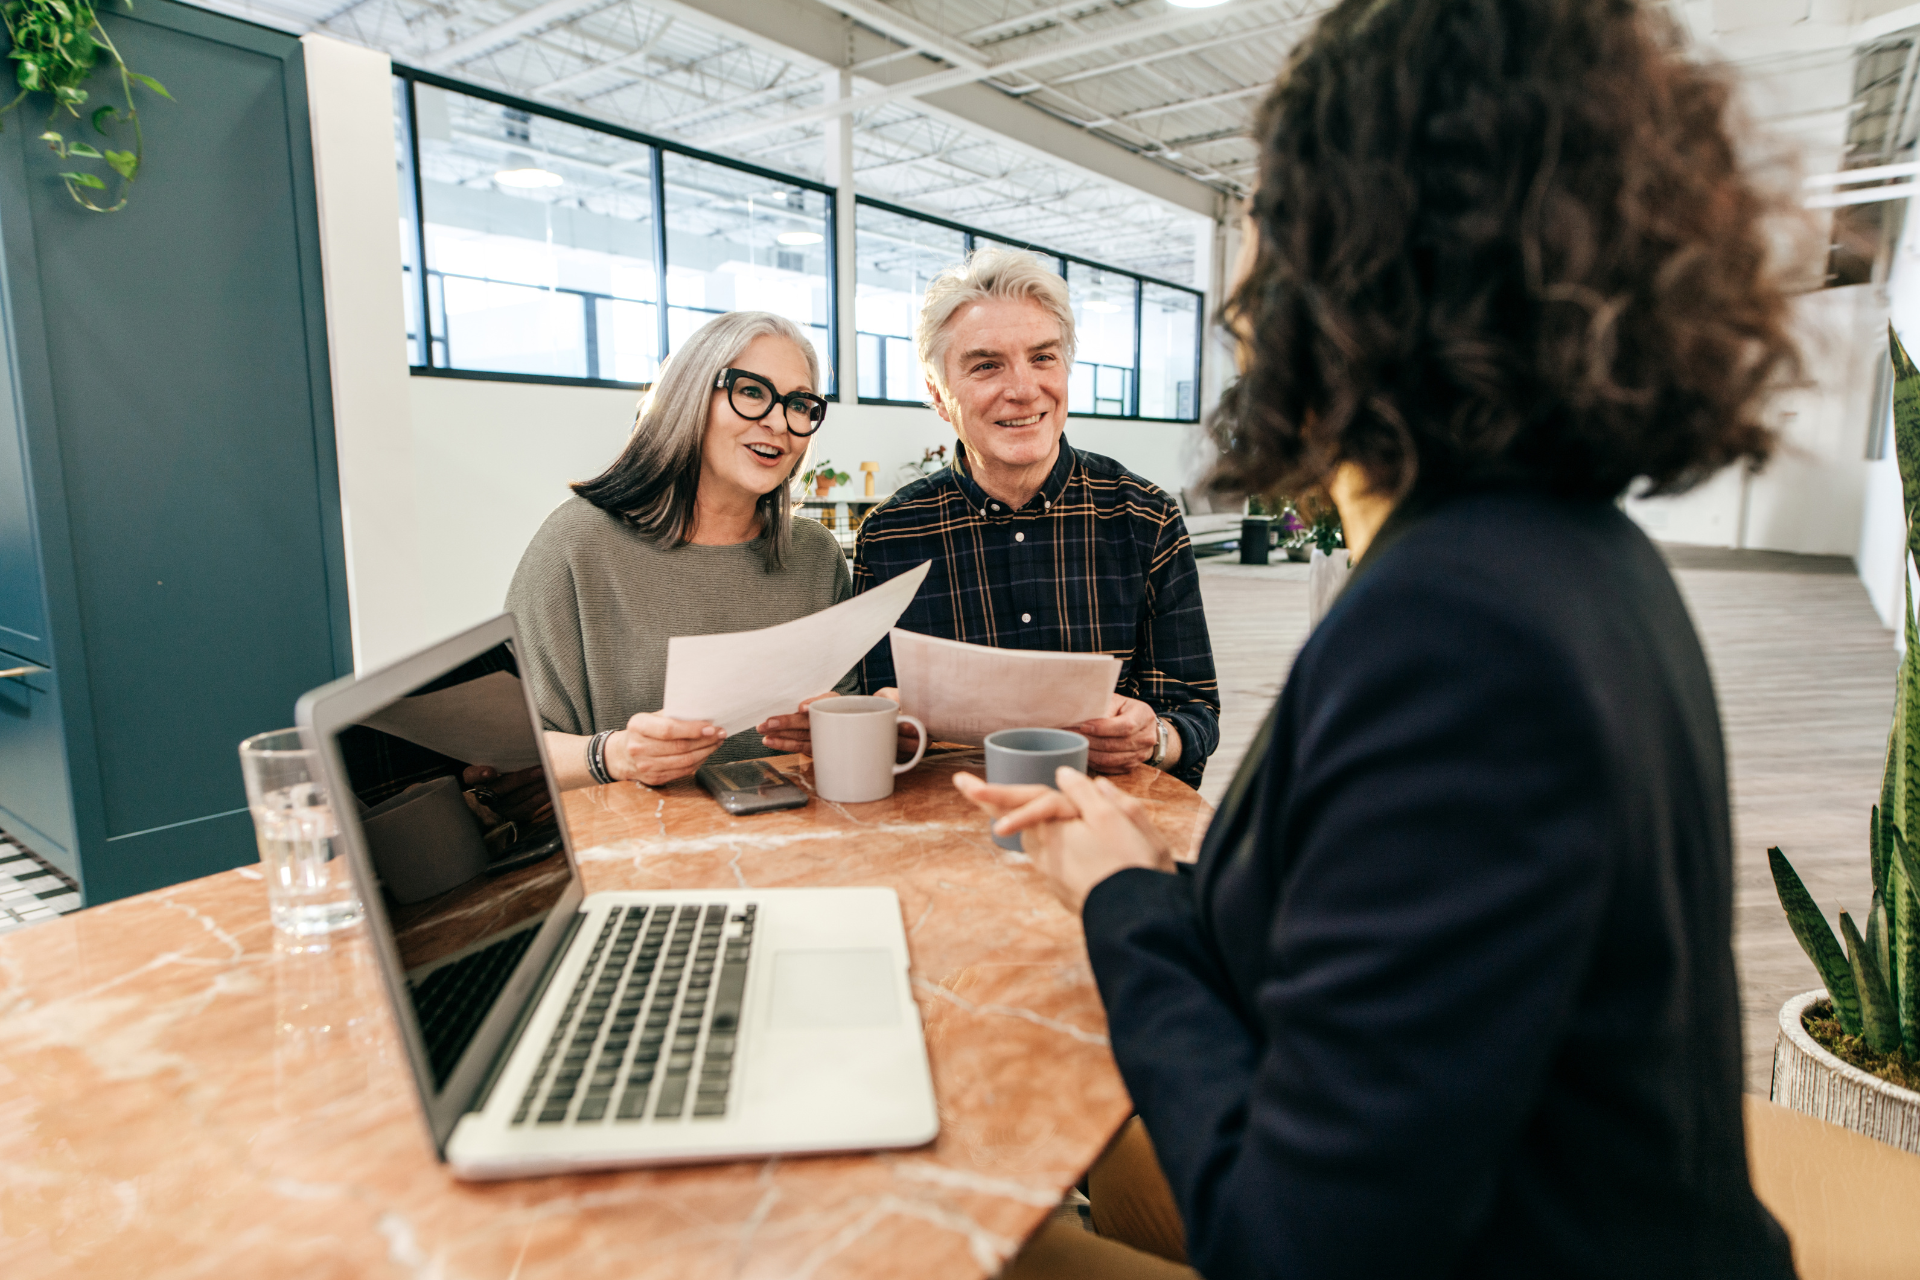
750 786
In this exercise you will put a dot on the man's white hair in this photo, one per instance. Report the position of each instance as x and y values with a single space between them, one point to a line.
988 272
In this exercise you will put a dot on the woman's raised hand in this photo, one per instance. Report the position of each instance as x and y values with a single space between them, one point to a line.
1078 835
656 749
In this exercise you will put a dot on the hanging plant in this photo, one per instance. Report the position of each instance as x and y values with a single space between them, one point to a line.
58 43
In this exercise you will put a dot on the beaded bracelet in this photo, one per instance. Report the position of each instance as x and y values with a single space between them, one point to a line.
597 757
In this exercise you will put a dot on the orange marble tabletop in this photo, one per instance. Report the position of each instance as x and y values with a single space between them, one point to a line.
183 1093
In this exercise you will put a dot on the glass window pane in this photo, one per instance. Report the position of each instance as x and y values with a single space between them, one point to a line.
904 378
1103 318
1169 353
740 242
895 256
872 375
533 228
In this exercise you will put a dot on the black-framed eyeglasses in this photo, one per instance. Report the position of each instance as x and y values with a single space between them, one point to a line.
753 398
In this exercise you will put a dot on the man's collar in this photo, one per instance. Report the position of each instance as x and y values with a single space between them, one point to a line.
1050 491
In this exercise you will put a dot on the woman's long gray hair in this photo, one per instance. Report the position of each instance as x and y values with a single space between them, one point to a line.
652 484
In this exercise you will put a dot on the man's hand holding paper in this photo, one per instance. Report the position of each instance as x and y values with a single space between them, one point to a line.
963 692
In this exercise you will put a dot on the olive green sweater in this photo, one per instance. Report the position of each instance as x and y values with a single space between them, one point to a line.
597 601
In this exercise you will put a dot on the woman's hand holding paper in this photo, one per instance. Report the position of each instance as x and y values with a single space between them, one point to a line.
1078 835
656 749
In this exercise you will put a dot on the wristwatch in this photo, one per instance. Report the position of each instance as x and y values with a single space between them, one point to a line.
1161 728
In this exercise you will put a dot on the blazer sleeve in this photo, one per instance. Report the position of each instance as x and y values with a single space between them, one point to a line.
1438 855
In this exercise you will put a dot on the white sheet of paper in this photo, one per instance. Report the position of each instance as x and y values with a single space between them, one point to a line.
963 692
739 679
483 721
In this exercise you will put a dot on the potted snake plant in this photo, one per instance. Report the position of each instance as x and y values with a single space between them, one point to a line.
1849 1052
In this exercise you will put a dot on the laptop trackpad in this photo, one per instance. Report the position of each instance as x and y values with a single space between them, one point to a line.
816 989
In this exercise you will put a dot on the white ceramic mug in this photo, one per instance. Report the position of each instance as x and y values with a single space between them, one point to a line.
853 747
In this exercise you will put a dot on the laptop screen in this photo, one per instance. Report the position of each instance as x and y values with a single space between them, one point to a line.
459 822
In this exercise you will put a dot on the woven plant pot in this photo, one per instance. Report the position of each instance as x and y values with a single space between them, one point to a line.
1810 1080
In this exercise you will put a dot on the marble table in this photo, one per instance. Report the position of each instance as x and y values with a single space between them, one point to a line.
182 1093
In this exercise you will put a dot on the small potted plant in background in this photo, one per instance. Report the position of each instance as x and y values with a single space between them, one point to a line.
822 477
931 460
1850 1053
1296 535
1326 559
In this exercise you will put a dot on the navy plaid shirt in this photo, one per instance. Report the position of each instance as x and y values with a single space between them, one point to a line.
1097 562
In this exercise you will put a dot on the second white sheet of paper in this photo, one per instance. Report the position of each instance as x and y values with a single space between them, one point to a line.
963 692
738 679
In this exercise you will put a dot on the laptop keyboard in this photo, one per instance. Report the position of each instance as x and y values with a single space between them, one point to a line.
651 1024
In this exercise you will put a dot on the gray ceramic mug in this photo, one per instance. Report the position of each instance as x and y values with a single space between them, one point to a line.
1016 756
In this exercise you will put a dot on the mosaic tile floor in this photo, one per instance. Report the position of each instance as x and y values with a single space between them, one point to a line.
30 890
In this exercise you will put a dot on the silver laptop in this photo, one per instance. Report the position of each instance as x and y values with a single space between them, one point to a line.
554 1030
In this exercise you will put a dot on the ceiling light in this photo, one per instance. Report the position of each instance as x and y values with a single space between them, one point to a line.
528 178
1195 4
799 237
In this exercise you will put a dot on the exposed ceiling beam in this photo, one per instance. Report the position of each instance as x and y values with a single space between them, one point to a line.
1212 99
1038 20
541 15
810 30
921 86
585 74
1198 46
915 35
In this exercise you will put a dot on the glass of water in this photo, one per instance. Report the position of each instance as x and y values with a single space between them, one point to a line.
309 887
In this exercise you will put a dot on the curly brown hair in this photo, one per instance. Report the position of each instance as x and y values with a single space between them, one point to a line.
1501 241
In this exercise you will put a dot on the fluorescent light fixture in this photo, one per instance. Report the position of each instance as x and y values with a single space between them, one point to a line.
1103 306
799 237
1195 4
529 179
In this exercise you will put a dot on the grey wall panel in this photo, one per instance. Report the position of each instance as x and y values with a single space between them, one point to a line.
191 477
23 617
177 348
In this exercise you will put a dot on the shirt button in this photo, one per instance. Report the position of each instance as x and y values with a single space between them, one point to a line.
1047 505
996 506
1019 537
1026 617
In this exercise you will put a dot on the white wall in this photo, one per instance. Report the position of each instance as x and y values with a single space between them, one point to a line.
350 104
496 457
1811 497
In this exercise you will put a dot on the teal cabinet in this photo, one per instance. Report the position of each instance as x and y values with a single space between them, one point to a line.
170 541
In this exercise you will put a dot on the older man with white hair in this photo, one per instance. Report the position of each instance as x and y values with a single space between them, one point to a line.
1036 544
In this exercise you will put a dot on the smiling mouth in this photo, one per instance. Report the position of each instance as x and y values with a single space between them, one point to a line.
767 451
1020 422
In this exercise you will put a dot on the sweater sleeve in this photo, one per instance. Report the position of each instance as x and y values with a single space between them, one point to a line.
544 603
1439 845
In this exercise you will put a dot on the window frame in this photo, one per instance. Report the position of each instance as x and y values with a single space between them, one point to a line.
973 234
415 203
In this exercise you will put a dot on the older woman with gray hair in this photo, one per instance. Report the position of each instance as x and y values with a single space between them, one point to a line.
690 531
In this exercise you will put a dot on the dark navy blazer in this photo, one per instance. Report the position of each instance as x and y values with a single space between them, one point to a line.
1450 991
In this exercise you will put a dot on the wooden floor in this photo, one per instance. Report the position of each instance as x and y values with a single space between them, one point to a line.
1804 672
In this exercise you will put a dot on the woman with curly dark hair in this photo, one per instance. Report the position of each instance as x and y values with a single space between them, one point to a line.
1450 990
